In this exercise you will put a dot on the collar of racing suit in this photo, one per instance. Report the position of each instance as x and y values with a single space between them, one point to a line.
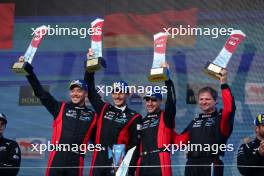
154 113
121 108
77 106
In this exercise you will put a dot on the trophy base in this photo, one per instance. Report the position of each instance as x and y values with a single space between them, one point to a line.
93 64
213 70
158 74
21 67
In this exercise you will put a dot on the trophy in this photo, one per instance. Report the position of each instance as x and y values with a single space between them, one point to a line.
158 71
214 69
94 63
20 67
117 154
123 167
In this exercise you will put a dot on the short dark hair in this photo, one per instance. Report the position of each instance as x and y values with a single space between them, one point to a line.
210 90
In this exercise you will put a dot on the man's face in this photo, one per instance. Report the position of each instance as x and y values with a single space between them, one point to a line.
2 127
260 131
152 104
119 99
78 95
206 102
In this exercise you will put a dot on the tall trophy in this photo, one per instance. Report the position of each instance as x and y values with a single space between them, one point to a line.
21 66
158 71
214 69
117 154
94 62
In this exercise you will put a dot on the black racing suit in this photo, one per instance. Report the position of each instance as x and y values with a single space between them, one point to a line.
157 131
72 125
210 130
114 126
10 157
248 155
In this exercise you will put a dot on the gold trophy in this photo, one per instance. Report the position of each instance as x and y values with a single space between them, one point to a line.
214 69
24 62
159 72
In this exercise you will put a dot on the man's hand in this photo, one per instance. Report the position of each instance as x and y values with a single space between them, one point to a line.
261 148
21 59
164 65
223 78
90 53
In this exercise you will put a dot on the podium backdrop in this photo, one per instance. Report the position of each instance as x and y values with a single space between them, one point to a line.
128 49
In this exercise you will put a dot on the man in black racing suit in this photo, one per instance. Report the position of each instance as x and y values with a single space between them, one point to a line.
73 124
250 157
10 155
210 129
157 130
117 124
157 133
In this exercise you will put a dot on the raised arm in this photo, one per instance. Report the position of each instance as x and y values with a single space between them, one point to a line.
93 96
45 97
228 112
170 106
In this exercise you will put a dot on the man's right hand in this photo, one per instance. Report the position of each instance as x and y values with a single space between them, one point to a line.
223 78
164 65
261 148
21 59
90 53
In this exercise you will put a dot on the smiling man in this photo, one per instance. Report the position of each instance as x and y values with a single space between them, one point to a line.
117 124
157 132
73 124
210 127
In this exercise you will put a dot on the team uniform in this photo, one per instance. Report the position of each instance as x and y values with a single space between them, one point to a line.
114 126
248 155
72 125
10 157
157 131
214 128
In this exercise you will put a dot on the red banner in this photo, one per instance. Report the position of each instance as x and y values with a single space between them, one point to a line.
7 11
133 30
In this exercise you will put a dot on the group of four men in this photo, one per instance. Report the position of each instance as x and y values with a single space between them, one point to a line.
113 124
